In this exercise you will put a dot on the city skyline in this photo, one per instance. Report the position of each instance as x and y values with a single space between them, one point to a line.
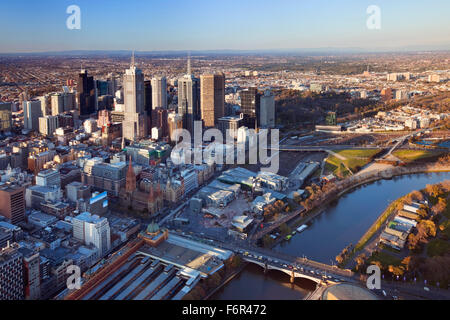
251 25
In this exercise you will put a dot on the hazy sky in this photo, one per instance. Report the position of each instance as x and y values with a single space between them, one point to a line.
146 25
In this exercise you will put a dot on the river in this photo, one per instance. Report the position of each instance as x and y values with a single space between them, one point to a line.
343 222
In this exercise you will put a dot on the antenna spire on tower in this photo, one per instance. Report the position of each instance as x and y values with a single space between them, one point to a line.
189 64
132 60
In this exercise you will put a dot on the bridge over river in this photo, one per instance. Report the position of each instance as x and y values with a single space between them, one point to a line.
296 267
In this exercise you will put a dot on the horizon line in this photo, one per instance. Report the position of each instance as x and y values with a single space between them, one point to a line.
403 49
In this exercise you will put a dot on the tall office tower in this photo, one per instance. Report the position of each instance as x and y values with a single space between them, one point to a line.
189 99
101 87
134 124
267 110
57 102
12 202
159 120
212 100
86 94
175 121
112 84
11 273
159 92
48 125
62 102
148 101
32 111
46 105
92 229
5 116
250 106
31 276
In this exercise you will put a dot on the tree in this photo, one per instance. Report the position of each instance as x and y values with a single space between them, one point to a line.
426 228
267 241
360 260
284 229
396 270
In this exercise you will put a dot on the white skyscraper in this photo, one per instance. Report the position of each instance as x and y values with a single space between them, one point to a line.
92 229
32 111
159 92
57 101
134 125
48 125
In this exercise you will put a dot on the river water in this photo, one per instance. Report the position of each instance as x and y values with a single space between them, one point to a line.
343 222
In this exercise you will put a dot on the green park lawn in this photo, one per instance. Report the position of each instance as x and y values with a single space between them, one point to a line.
355 160
385 259
409 156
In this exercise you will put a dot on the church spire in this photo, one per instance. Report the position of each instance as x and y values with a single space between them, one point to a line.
151 197
131 178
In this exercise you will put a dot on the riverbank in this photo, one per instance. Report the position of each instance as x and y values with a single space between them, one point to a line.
353 182
425 255
227 280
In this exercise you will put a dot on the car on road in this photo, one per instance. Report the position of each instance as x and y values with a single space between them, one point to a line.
285 265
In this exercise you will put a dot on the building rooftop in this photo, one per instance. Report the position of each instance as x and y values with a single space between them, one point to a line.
90 218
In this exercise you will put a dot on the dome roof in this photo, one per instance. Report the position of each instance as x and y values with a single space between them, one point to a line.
153 228
347 291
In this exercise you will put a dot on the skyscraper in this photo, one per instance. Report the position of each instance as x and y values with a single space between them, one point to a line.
189 99
31 274
175 121
11 274
159 92
45 105
212 98
159 120
250 106
48 125
31 112
267 110
5 117
148 93
86 93
12 203
135 124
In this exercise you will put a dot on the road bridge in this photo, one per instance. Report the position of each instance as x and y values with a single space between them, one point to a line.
296 267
